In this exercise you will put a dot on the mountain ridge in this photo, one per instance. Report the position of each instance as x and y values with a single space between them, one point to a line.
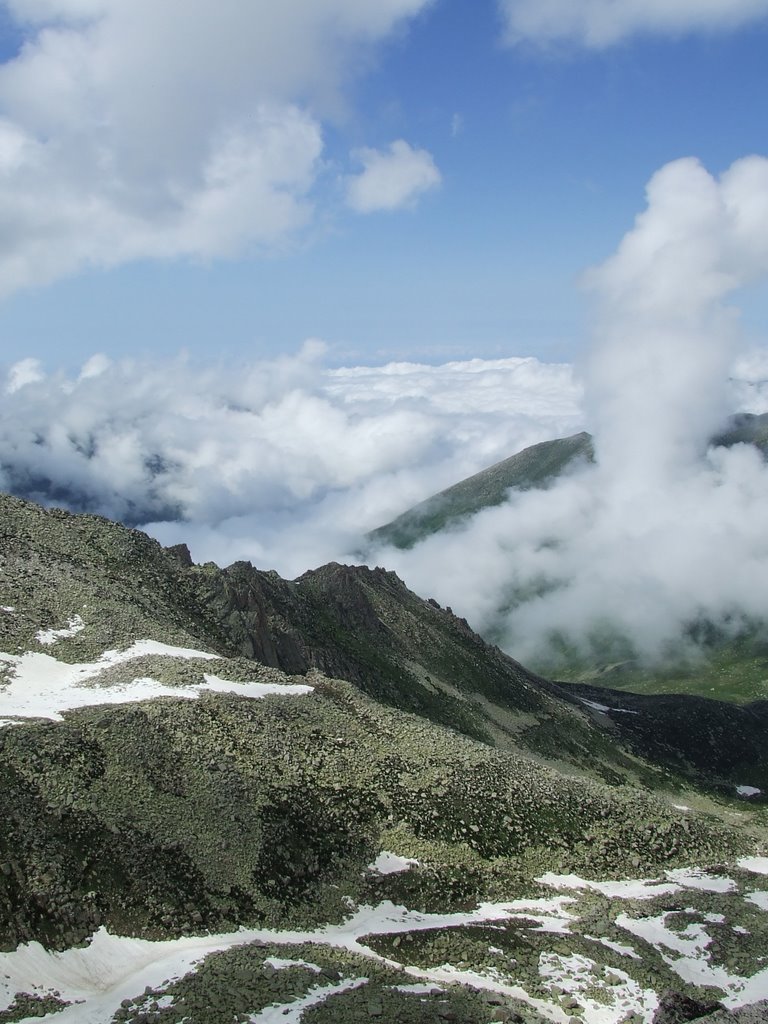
534 467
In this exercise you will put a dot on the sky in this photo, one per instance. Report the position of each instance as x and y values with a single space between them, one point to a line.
270 275
403 179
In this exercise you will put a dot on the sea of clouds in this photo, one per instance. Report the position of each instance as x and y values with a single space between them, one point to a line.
289 462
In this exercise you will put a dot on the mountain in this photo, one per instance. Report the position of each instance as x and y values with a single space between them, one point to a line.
534 467
228 796
733 666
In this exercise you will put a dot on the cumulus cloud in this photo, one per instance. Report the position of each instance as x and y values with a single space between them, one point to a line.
284 462
601 23
131 129
26 371
664 531
391 179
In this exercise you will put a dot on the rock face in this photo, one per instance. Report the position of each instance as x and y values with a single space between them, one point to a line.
757 1013
676 1008
335 717
365 626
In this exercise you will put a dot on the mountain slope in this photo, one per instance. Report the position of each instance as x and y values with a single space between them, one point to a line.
534 467
734 667
364 625
178 762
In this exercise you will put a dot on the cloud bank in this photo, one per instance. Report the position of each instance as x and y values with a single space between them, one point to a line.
132 130
600 23
284 462
288 463
663 532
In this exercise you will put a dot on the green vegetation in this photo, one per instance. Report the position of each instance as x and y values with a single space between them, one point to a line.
737 671
533 467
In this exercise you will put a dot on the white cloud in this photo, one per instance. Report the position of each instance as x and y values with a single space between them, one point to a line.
287 463
132 129
391 179
661 532
600 23
26 371
282 462
661 298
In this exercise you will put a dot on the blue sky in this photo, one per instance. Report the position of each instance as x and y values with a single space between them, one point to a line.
542 147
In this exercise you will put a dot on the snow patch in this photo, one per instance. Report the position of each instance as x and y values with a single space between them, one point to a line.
100 975
637 889
282 965
604 707
46 637
748 791
757 865
695 878
694 966
594 705
620 995
293 1012
43 687
390 864
759 898
254 690
691 941
417 989
112 968
140 648
617 947
452 975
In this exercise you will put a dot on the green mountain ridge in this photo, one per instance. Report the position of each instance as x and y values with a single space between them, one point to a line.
533 467
537 466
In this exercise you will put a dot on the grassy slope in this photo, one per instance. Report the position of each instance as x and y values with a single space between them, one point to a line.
737 672
533 467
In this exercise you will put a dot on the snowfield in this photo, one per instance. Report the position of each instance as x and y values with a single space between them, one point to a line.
96 978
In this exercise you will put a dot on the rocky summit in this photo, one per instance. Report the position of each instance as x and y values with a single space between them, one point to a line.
228 797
